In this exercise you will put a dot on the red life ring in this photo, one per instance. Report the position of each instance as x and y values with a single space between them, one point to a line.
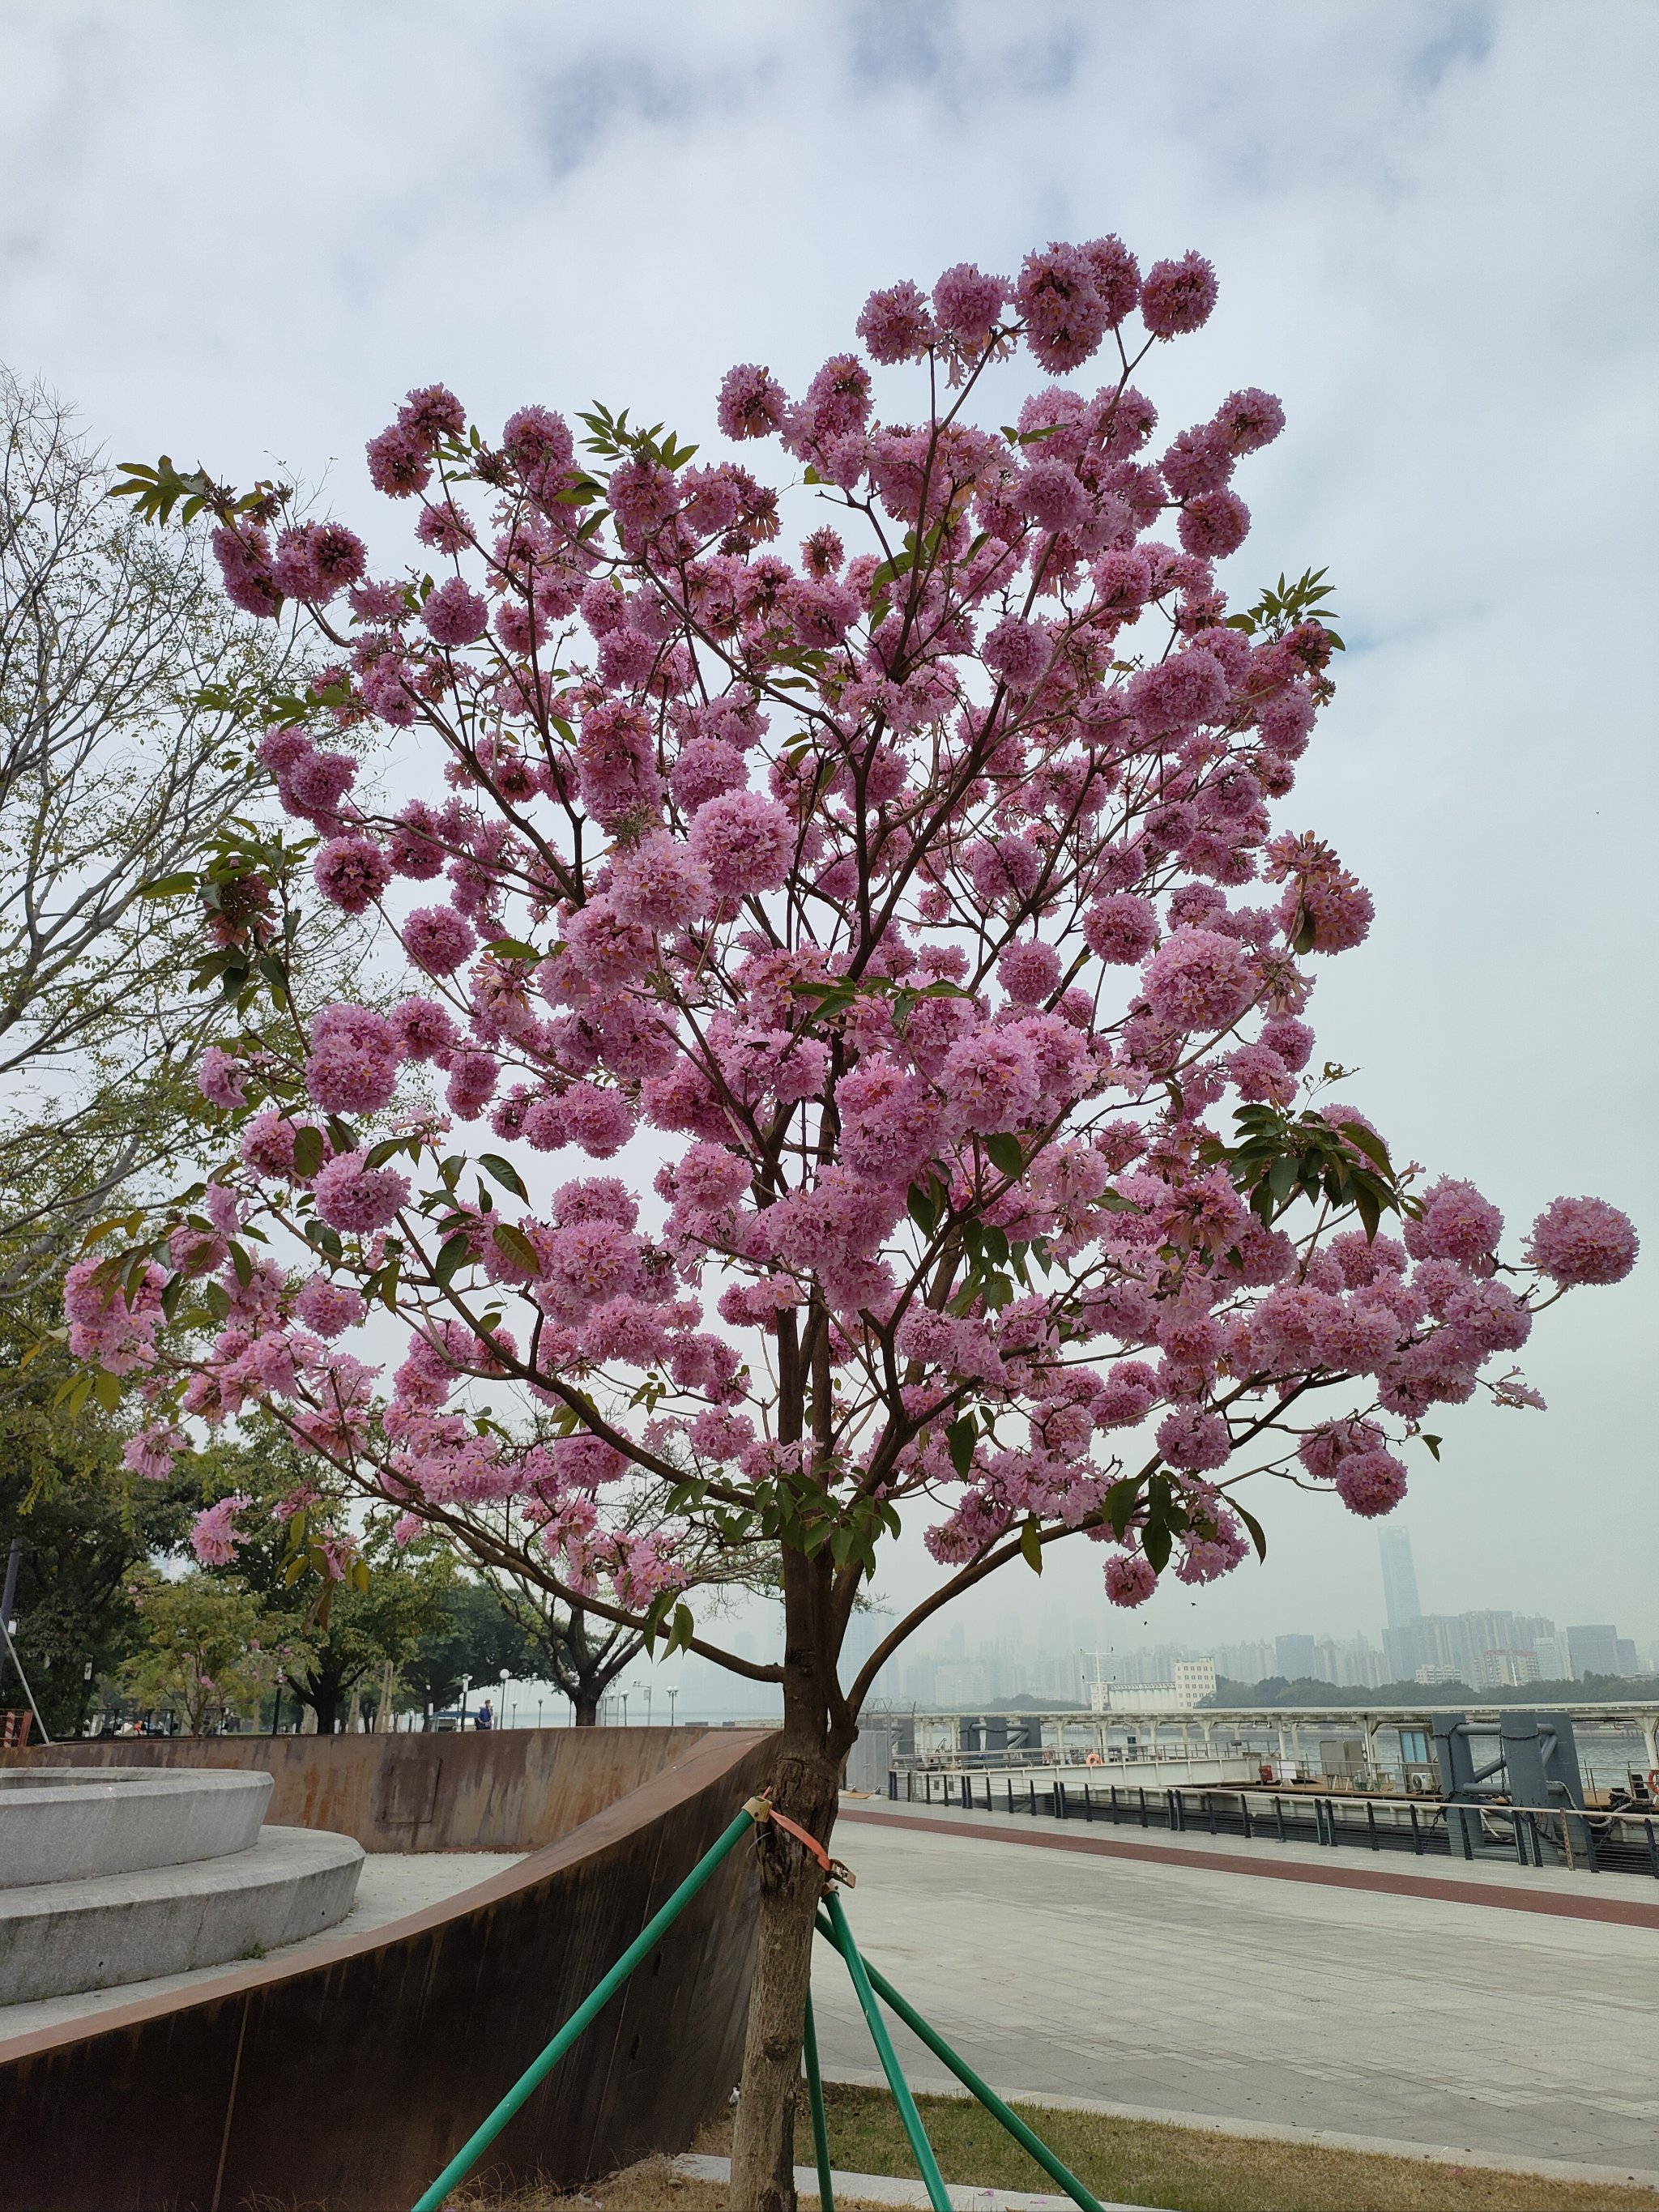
1095 1759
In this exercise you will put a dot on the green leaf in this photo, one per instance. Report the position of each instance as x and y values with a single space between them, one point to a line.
960 1437
503 1172
242 1264
1120 1505
1368 1141
1258 1534
1156 1542
1434 1444
107 1387
515 1246
1006 1153
1031 1544
922 1206
155 492
167 887
307 1151
512 948
451 1254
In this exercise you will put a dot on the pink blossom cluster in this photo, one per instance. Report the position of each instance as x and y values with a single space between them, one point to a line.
915 902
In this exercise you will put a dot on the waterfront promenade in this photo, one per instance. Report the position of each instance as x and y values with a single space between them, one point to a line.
1503 2013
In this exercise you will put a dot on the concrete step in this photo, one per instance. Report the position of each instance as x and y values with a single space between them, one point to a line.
78 1823
56 1937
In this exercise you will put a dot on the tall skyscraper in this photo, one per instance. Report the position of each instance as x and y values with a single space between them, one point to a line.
1399 1578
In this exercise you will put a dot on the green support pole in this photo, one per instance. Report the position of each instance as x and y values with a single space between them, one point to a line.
937 2195
479 2142
820 2124
965 2073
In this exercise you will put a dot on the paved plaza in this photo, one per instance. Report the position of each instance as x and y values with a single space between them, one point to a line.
1167 1985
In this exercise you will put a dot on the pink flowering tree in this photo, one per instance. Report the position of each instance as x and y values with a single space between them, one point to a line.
904 916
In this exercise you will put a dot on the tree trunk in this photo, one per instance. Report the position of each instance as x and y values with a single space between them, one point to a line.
587 1711
791 1884
805 1784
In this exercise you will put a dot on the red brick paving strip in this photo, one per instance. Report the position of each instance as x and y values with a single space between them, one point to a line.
1623 1913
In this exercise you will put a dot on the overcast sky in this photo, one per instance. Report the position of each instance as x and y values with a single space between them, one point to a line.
239 234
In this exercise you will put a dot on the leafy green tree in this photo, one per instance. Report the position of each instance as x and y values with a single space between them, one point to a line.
475 1636
345 1620
84 1525
203 1654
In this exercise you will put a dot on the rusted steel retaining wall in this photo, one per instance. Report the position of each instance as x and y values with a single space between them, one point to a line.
500 1790
345 2080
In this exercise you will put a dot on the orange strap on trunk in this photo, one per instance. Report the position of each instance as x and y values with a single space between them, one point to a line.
833 1868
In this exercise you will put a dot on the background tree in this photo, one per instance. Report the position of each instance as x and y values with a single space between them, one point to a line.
125 684
201 1654
580 1654
86 1523
471 1636
344 1614
926 903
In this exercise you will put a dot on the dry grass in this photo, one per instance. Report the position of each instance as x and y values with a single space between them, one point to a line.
651 2186
1128 2162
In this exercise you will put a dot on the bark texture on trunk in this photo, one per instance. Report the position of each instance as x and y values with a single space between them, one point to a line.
587 1711
791 1883
817 1734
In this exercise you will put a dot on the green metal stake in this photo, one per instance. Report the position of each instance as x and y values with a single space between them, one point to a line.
820 2124
479 2142
965 2073
938 2195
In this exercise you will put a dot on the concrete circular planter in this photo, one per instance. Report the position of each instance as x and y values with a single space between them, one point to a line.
76 1823
112 1875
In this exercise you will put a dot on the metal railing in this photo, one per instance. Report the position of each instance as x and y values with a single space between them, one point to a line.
1590 1839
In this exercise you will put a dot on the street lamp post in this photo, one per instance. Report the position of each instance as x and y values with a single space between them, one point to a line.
466 1684
673 1692
647 1704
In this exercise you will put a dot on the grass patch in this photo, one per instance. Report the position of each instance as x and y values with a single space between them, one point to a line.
1184 2169
1126 2161
650 2186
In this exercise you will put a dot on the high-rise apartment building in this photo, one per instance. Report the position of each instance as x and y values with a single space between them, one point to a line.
1505 1670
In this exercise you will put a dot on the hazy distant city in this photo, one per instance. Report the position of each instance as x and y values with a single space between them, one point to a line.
1073 1653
